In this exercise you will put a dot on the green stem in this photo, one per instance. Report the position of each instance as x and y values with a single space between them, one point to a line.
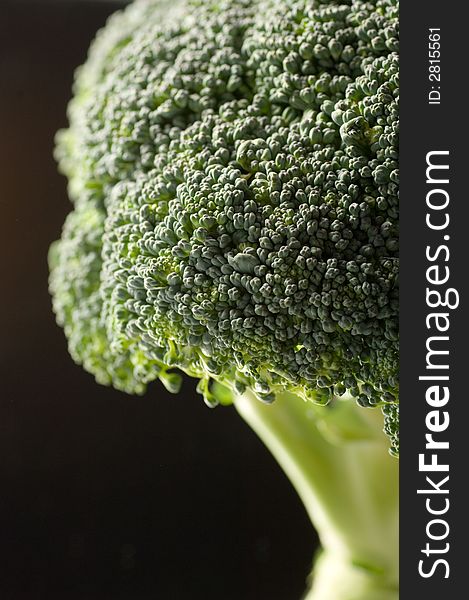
337 459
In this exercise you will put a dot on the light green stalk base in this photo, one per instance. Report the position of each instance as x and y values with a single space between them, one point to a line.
336 580
337 459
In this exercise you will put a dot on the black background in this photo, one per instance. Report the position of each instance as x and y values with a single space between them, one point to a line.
105 496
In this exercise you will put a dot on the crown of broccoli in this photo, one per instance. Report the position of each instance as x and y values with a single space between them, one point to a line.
234 170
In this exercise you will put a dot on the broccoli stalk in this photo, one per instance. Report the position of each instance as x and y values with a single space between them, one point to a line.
337 459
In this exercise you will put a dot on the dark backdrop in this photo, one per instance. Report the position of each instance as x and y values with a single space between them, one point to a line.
105 496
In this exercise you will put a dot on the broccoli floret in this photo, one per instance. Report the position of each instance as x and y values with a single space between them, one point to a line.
234 170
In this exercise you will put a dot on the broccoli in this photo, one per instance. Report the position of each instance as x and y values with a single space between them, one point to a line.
234 171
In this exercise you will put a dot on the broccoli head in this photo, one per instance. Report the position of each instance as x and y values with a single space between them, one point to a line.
235 178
